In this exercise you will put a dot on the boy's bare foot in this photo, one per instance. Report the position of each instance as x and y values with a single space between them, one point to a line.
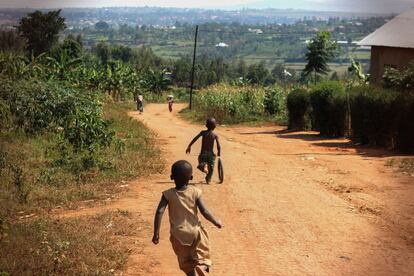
203 167
202 270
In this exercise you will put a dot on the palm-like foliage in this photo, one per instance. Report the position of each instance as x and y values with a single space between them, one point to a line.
20 67
117 79
63 64
155 81
356 74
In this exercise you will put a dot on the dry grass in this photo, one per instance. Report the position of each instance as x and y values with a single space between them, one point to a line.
84 246
32 183
141 156
404 165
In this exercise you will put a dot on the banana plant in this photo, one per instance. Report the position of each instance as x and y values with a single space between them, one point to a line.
155 81
117 79
63 64
36 67
13 66
356 71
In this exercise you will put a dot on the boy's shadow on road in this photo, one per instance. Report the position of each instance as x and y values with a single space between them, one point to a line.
172 183
339 143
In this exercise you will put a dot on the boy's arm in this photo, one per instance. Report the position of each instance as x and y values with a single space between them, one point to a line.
206 213
192 142
218 146
157 220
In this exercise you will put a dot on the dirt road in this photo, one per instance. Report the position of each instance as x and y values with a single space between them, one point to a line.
291 204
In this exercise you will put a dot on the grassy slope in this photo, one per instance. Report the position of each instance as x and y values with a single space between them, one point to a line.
80 246
44 184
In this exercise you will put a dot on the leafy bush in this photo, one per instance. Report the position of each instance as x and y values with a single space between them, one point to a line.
37 106
328 101
402 80
299 109
30 103
84 126
382 117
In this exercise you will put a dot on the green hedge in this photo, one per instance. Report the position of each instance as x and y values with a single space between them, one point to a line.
299 109
405 135
328 101
383 118
373 116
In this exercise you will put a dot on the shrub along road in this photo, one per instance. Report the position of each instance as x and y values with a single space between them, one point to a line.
291 204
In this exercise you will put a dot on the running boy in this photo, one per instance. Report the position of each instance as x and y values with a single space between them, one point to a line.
207 157
188 238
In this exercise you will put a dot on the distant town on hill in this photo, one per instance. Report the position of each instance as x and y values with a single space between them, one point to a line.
156 16
268 36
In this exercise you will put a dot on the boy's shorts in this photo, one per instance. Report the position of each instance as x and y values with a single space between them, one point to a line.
208 158
194 257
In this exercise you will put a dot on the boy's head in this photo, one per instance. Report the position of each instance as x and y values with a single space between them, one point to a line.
211 123
181 172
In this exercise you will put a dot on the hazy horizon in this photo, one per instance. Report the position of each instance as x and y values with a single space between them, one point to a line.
363 6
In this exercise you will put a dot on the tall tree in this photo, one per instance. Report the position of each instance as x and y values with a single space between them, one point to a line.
102 26
71 45
241 69
121 52
320 51
280 74
257 73
41 30
181 71
103 52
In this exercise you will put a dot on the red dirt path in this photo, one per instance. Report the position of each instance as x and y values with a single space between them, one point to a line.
291 204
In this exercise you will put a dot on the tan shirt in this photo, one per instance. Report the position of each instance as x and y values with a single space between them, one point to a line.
183 212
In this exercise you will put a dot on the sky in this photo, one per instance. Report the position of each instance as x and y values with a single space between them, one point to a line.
326 5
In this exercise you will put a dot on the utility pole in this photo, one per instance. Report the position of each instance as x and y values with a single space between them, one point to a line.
193 68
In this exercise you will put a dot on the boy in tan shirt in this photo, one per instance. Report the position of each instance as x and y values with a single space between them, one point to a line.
188 237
